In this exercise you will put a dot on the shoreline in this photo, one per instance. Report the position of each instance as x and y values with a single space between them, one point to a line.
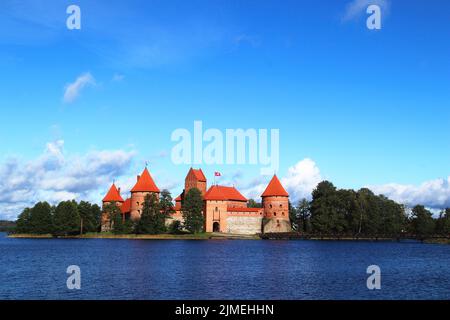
216 236
202 236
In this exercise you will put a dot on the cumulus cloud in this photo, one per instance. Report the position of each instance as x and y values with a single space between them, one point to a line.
434 194
357 7
73 90
55 176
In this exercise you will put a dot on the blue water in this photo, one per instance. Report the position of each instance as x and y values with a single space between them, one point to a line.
130 269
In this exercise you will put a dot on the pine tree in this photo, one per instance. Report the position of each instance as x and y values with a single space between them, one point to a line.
66 219
192 209
96 213
23 222
152 221
114 214
40 219
422 223
86 214
166 204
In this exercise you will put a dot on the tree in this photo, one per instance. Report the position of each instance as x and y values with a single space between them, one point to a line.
422 223
120 225
87 216
152 220
96 213
111 212
303 214
23 222
176 227
253 204
166 204
192 209
443 222
40 219
327 212
66 219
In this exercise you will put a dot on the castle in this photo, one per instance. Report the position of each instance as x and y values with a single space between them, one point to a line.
225 208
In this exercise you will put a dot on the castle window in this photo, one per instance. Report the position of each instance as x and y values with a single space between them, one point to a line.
282 214
270 206
275 214
281 206
137 203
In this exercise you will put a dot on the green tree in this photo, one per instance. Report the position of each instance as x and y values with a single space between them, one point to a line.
113 213
192 209
96 213
121 225
23 222
176 227
443 222
66 219
422 222
40 219
253 204
327 210
303 215
89 222
152 220
166 204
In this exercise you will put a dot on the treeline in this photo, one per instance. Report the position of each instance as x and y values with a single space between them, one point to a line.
70 218
7 226
154 215
335 211
65 219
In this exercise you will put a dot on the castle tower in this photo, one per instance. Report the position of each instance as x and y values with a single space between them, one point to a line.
195 179
113 196
275 201
144 186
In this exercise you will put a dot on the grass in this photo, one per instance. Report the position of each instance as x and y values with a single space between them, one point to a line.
110 235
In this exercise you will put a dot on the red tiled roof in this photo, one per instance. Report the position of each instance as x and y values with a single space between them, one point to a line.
145 183
224 193
199 175
113 195
275 189
178 198
233 209
126 206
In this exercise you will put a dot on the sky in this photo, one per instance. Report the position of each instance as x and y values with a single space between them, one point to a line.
359 107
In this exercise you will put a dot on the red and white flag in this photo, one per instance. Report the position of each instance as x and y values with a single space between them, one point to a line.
217 174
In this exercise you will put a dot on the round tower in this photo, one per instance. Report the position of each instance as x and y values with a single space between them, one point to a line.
145 185
276 200
113 196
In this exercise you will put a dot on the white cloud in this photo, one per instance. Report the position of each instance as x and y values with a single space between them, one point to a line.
300 181
55 176
358 7
73 90
433 194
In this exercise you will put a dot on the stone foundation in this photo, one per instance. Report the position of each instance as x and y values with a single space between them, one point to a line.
277 226
244 225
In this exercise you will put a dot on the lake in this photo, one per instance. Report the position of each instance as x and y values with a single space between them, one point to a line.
224 269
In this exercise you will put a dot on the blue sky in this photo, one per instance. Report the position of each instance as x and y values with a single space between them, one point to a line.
356 106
